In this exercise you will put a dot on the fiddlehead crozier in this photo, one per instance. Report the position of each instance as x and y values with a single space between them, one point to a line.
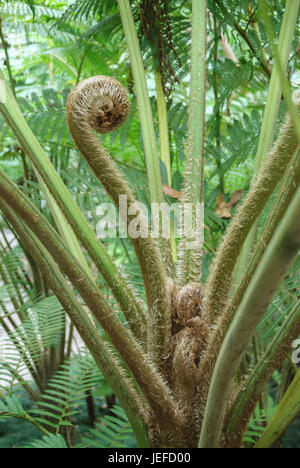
100 104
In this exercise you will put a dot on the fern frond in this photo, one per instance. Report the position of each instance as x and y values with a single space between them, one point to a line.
28 8
46 116
27 344
11 407
50 441
83 9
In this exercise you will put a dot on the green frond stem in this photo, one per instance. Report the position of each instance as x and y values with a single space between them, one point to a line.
146 120
189 267
11 407
220 276
110 367
286 35
147 377
247 397
117 283
217 103
278 257
286 412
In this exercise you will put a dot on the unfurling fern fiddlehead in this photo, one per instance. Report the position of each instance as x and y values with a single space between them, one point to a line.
100 104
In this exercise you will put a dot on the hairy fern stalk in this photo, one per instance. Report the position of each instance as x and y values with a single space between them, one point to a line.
175 365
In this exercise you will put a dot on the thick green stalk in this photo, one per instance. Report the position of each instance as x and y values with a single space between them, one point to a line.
287 31
286 412
108 363
217 104
74 216
278 257
189 268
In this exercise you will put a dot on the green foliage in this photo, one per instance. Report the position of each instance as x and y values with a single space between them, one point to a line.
11 407
113 431
26 344
66 392
46 118
50 441
52 45
258 422
16 432
63 401
283 303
